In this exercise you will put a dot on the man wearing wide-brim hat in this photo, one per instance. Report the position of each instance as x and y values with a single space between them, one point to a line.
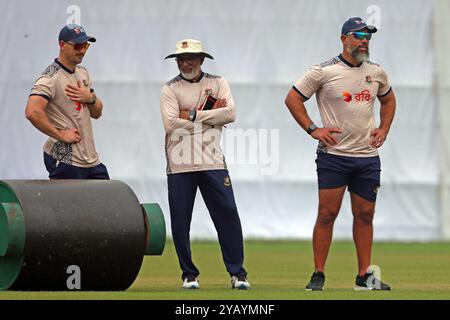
189 46
195 106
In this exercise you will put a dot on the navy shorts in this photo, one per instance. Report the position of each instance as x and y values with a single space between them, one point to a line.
66 171
360 174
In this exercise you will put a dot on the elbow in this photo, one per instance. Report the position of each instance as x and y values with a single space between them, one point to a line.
96 112
232 117
228 117
170 126
30 115
287 102
293 105
96 115
169 130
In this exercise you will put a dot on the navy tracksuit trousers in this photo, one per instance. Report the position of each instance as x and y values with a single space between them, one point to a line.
215 187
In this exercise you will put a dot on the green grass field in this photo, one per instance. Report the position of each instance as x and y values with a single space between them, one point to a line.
280 270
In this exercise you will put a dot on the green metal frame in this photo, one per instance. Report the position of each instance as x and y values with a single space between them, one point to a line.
12 236
156 229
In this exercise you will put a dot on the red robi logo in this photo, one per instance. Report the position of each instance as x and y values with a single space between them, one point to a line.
362 96
347 96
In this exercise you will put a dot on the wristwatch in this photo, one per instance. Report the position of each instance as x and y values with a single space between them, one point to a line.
192 115
94 100
311 128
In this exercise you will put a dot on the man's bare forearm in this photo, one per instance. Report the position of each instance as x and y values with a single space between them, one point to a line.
95 110
40 120
387 111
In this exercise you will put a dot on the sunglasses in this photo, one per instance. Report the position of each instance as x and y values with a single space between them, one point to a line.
187 58
361 35
79 46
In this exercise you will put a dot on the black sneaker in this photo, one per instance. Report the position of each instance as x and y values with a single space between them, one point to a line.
369 282
317 281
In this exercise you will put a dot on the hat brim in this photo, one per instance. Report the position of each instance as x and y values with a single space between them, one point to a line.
203 54
371 28
83 38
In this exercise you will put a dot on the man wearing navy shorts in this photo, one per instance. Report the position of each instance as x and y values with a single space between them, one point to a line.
346 87
61 105
193 123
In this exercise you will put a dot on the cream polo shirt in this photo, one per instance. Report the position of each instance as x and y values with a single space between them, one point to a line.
195 145
66 114
345 97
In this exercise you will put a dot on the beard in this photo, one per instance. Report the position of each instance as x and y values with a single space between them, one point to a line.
191 75
358 55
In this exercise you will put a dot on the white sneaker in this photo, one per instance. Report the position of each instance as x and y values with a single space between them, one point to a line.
191 282
239 282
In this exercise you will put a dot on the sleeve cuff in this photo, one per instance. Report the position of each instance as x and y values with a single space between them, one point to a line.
383 95
40 95
299 92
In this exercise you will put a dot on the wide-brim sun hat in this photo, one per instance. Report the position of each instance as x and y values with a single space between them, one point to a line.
189 46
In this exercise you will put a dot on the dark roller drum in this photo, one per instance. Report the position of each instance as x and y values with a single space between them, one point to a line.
51 230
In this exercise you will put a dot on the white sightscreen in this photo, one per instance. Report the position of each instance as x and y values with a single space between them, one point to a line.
442 47
261 47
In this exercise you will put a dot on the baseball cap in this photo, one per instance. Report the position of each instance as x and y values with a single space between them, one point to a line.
189 46
356 24
74 33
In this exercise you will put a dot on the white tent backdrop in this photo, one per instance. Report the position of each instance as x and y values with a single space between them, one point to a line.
261 47
442 67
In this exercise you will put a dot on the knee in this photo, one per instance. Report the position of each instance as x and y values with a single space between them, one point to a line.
230 208
226 208
364 216
327 215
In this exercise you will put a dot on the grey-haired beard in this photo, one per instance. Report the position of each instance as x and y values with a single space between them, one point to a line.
359 56
191 75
